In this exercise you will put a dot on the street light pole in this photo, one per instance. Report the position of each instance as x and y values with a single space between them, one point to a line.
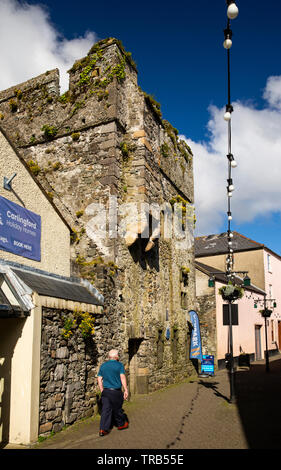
232 13
231 371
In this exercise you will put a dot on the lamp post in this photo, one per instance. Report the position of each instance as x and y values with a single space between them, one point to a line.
232 12
266 312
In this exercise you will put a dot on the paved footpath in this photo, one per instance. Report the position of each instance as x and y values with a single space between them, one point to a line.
195 414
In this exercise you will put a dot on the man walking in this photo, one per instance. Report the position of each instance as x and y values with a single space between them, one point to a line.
111 378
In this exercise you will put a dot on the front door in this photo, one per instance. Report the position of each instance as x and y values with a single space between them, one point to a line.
279 334
258 342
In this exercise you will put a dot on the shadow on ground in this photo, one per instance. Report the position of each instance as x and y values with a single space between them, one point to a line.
213 386
258 395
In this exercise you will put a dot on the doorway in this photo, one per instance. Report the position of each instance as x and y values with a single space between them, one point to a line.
134 344
258 342
279 335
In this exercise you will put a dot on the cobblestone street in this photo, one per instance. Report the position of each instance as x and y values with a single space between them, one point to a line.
193 415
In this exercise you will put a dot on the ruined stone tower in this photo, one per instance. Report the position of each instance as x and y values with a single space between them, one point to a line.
104 142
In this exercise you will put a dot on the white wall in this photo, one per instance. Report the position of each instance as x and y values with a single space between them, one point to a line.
20 377
244 333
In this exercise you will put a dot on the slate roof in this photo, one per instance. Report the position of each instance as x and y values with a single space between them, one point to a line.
221 277
60 288
217 244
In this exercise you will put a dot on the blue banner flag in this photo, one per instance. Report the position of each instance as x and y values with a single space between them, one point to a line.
20 230
195 346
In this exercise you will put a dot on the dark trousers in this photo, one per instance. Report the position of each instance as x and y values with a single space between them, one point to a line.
112 401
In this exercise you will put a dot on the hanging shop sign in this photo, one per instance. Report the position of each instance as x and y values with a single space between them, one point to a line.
20 230
195 344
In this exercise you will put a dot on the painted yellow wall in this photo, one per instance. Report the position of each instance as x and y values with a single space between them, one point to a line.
202 287
55 238
251 261
20 377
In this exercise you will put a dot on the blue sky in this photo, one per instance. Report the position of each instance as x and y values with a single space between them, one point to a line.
178 50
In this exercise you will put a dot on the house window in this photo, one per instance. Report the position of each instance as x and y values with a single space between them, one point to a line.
270 292
269 263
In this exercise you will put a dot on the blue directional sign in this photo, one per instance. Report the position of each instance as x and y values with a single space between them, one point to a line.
20 230
207 365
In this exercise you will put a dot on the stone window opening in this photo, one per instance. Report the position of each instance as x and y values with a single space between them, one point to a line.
184 282
184 276
144 226
160 348
144 248
184 300
153 232
174 344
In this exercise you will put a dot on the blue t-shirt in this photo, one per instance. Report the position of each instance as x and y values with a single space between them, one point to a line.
110 372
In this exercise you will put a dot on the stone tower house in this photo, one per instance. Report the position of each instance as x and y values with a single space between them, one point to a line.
101 145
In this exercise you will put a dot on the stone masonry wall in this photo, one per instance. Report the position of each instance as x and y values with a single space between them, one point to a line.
68 385
67 375
206 308
106 137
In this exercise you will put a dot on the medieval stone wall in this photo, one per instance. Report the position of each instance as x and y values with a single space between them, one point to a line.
206 309
105 137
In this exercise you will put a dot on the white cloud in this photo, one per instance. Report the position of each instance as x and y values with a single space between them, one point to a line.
256 146
273 92
30 44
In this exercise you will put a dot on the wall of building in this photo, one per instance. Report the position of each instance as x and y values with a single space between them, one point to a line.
20 377
272 268
105 137
243 334
252 261
67 372
55 236
206 309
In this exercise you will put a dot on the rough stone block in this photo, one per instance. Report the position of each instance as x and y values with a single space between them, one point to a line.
47 427
142 384
57 427
59 372
50 404
138 134
62 353
107 144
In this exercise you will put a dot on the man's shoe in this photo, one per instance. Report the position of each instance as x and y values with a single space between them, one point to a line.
125 426
103 433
